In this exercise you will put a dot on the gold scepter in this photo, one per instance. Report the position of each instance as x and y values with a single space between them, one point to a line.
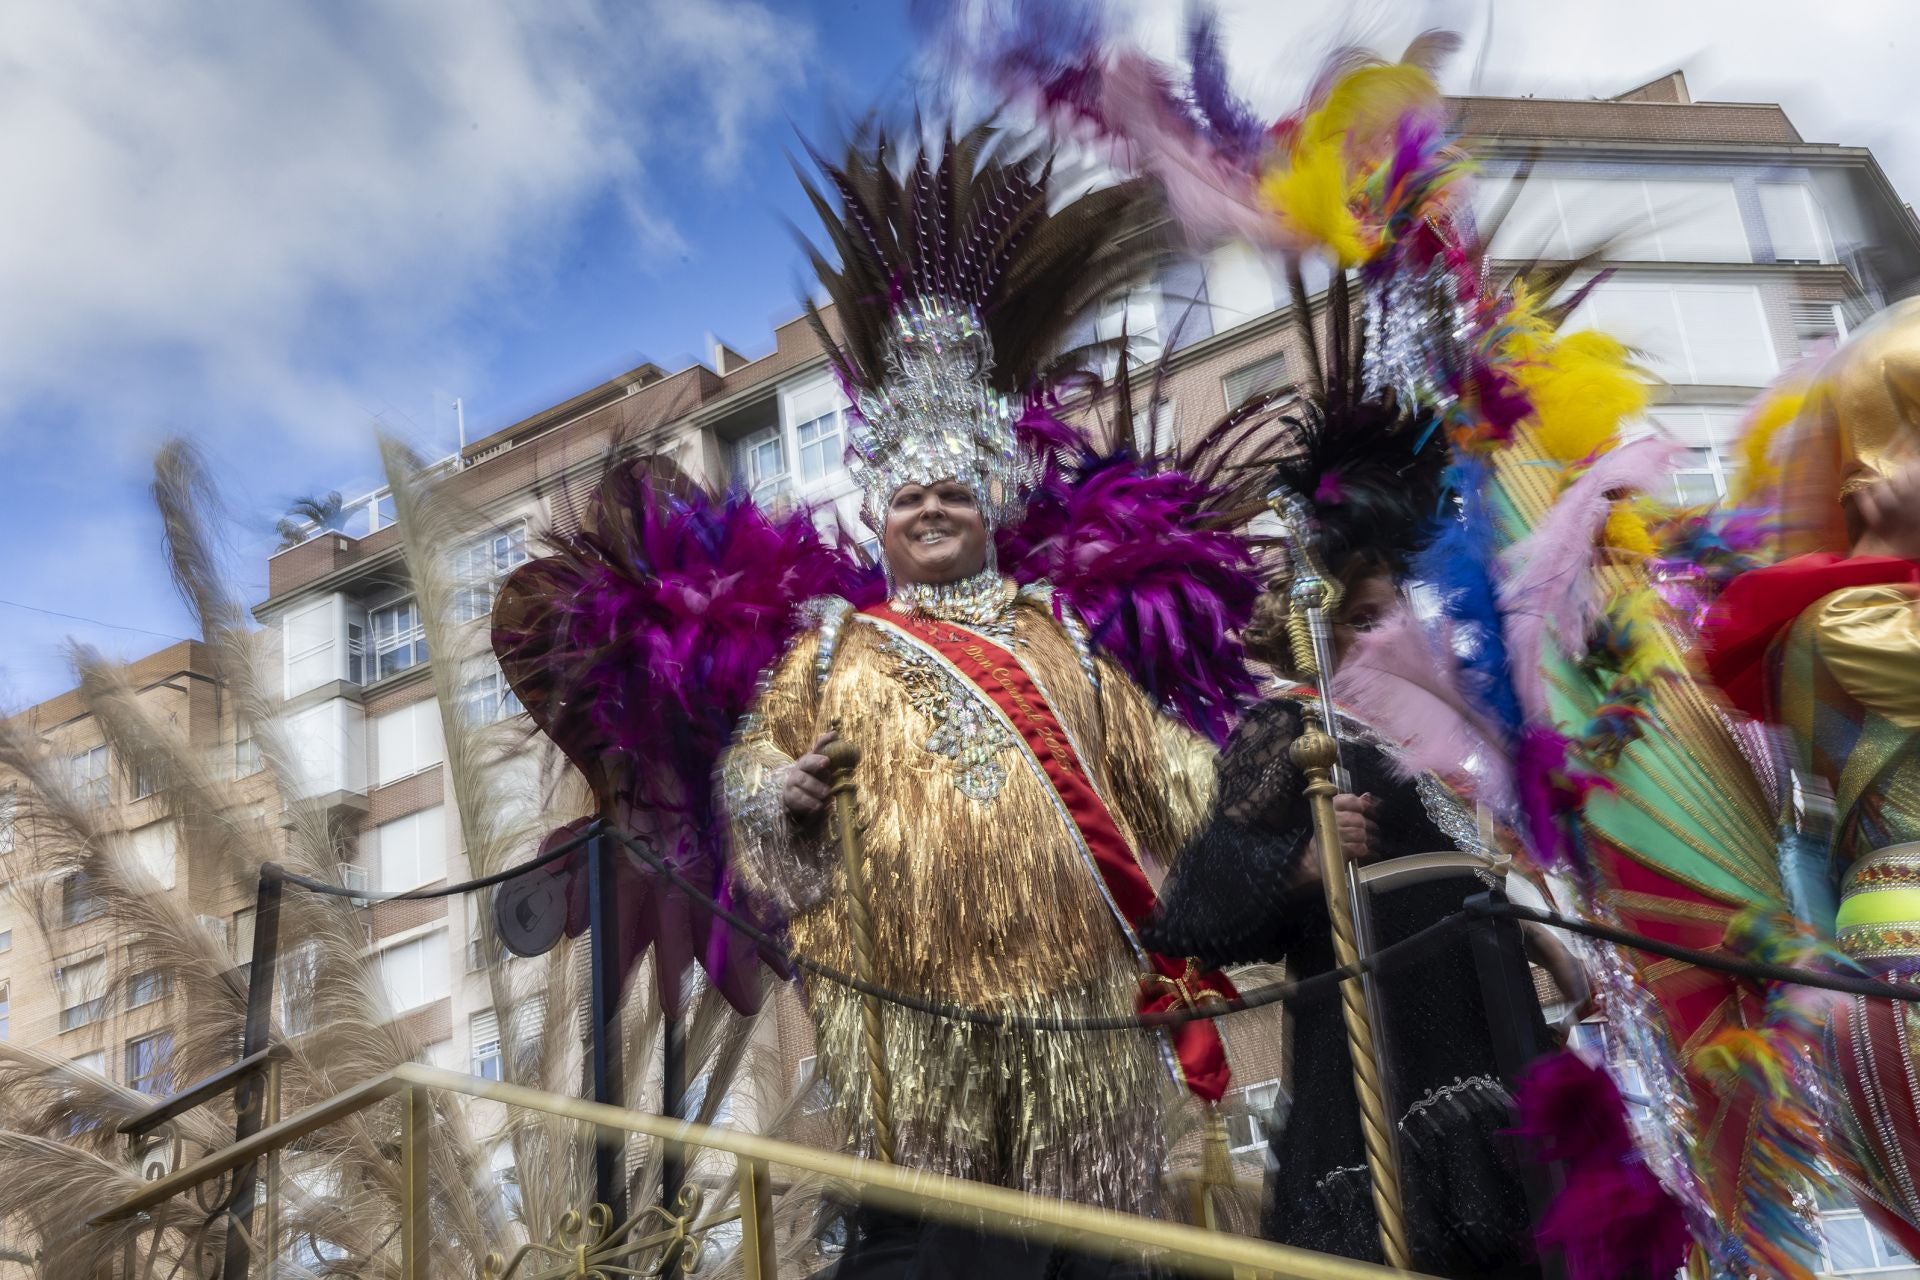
1316 752
842 758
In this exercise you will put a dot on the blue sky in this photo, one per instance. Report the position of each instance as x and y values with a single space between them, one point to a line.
277 227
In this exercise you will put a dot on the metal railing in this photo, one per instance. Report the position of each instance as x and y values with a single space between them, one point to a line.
591 1243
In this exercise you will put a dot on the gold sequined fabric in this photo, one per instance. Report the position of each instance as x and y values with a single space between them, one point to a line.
980 896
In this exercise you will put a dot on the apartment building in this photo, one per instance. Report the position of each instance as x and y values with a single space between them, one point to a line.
71 984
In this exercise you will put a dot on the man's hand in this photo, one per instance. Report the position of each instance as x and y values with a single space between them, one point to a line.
1889 513
803 784
1359 836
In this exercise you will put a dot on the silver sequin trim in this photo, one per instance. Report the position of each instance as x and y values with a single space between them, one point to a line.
965 730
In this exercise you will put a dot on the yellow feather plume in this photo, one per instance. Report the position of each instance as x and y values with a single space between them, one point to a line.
1582 385
1311 189
1759 474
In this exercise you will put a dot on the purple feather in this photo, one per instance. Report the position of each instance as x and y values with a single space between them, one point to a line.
1161 595
1612 1220
637 647
1236 131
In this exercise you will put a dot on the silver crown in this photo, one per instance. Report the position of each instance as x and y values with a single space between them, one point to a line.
935 416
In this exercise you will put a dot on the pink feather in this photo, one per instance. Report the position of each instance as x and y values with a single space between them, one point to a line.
1406 681
1548 583
1209 195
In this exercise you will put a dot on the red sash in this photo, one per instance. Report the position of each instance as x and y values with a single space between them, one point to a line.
1173 984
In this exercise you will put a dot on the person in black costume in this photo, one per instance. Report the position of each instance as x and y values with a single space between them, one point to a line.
1248 889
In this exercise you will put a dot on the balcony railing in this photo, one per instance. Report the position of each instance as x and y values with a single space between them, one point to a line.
593 1244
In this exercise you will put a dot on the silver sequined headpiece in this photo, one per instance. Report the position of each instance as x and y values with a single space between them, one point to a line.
936 417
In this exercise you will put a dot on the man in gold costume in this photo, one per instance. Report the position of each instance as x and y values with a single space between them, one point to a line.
1827 645
1012 779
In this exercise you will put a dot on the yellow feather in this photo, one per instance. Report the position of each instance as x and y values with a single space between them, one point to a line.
1758 472
1310 196
1365 103
1627 531
1311 190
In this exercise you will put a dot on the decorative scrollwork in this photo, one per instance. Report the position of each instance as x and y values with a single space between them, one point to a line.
589 1247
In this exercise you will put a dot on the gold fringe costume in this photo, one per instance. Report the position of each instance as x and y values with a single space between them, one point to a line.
979 892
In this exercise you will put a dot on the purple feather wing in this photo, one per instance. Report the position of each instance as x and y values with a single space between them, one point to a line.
637 646
1161 593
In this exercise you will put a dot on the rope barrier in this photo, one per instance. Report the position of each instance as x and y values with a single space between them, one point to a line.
1273 993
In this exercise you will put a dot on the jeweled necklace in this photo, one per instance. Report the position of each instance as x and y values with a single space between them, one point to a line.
983 600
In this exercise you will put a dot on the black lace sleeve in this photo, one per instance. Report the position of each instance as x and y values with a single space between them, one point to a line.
1229 898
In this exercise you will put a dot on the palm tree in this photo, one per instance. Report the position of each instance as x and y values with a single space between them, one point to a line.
308 516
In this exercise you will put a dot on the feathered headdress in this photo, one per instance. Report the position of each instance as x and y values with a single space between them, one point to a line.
955 288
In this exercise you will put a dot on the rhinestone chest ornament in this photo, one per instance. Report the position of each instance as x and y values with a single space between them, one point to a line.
963 729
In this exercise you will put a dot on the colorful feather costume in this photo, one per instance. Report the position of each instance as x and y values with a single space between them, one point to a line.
1613 756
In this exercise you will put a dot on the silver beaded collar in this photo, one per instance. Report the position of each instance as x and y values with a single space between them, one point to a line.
984 600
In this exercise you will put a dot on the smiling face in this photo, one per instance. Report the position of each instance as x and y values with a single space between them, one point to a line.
934 533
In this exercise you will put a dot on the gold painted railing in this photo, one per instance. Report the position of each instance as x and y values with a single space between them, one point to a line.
1173 1246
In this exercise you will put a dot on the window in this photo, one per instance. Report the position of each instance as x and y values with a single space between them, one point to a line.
1154 431
411 851
95 1062
481 566
507 1178
150 1063
807 1075
354 876
156 850
1651 220
89 776
82 985
1687 332
1816 326
6 941
299 982
762 460
415 973
1135 315
357 652
485 1038
406 741
143 782
399 641
1795 223
822 446
78 901
489 699
1851 1245
1248 1129
1707 468
246 750
1240 286
1256 379
9 819
241 936
148 981
479 955
6 1011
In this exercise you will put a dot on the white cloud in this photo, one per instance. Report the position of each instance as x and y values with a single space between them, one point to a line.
261 194
265 225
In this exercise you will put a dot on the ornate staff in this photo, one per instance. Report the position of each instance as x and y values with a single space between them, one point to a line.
1314 599
843 757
